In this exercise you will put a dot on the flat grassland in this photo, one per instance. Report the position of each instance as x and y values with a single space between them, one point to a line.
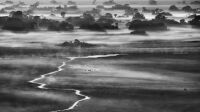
151 79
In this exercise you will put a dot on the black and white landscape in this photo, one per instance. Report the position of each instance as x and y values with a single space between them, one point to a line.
100 56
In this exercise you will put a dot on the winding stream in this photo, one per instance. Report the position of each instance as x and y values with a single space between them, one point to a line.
60 68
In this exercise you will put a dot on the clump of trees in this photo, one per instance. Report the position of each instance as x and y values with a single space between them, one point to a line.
107 22
121 7
173 8
60 26
95 12
144 9
138 16
162 18
147 25
195 21
188 9
165 13
63 14
195 2
20 21
109 2
139 32
87 21
76 43
160 22
153 2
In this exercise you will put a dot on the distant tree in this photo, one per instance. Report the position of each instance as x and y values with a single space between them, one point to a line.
160 17
195 2
195 21
182 21
2 11
59 8
53 2
138 16
65 26
16 14
147 25
60 26
152 2
187 8
28 12
165 14
77 42
173 8
11 13
88 18
94 12
108 15
126 5
16 24
129 11
35 5
63 14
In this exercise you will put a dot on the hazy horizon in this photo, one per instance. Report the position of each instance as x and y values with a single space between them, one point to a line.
100 1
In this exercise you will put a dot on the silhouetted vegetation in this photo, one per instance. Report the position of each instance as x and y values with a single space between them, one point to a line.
162 18
153 2
60 26
109 2
139 32
138 16
18 22
76 43
195 21
147 25
174 8
187 8
195 3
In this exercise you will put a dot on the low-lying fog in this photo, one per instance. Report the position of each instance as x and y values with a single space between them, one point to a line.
42 38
